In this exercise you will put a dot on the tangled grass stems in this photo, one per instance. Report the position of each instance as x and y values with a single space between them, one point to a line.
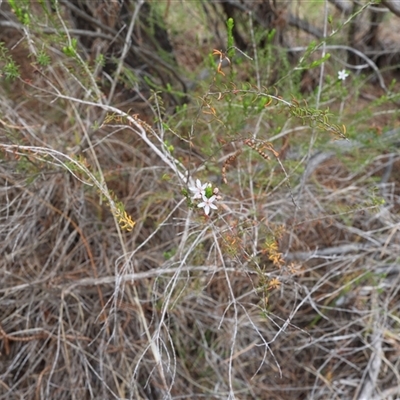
254 300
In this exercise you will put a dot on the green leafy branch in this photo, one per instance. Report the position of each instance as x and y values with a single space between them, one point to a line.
308 115
10 69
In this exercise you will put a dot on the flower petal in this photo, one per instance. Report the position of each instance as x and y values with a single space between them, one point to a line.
213 206
198 190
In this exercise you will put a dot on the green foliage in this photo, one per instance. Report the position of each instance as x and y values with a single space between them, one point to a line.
170 148
29 168
270 35
20 9
71 49
100 60
230 42
375 199
169 254
10 69
42 58
128 78
317 63
318 118
209 191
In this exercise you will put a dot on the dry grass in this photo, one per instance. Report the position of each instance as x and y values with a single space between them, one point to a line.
188 306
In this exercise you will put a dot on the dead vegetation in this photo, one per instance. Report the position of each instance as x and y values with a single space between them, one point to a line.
286 292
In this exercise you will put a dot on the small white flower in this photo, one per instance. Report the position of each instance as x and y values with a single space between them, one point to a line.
343 74
199 190
207 204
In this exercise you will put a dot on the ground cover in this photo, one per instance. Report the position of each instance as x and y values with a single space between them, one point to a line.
183 216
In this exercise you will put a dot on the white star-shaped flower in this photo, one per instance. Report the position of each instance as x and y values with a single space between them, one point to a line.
342 75
207 204
199 190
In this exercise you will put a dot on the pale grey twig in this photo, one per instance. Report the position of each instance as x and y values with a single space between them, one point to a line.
371 373
330 252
